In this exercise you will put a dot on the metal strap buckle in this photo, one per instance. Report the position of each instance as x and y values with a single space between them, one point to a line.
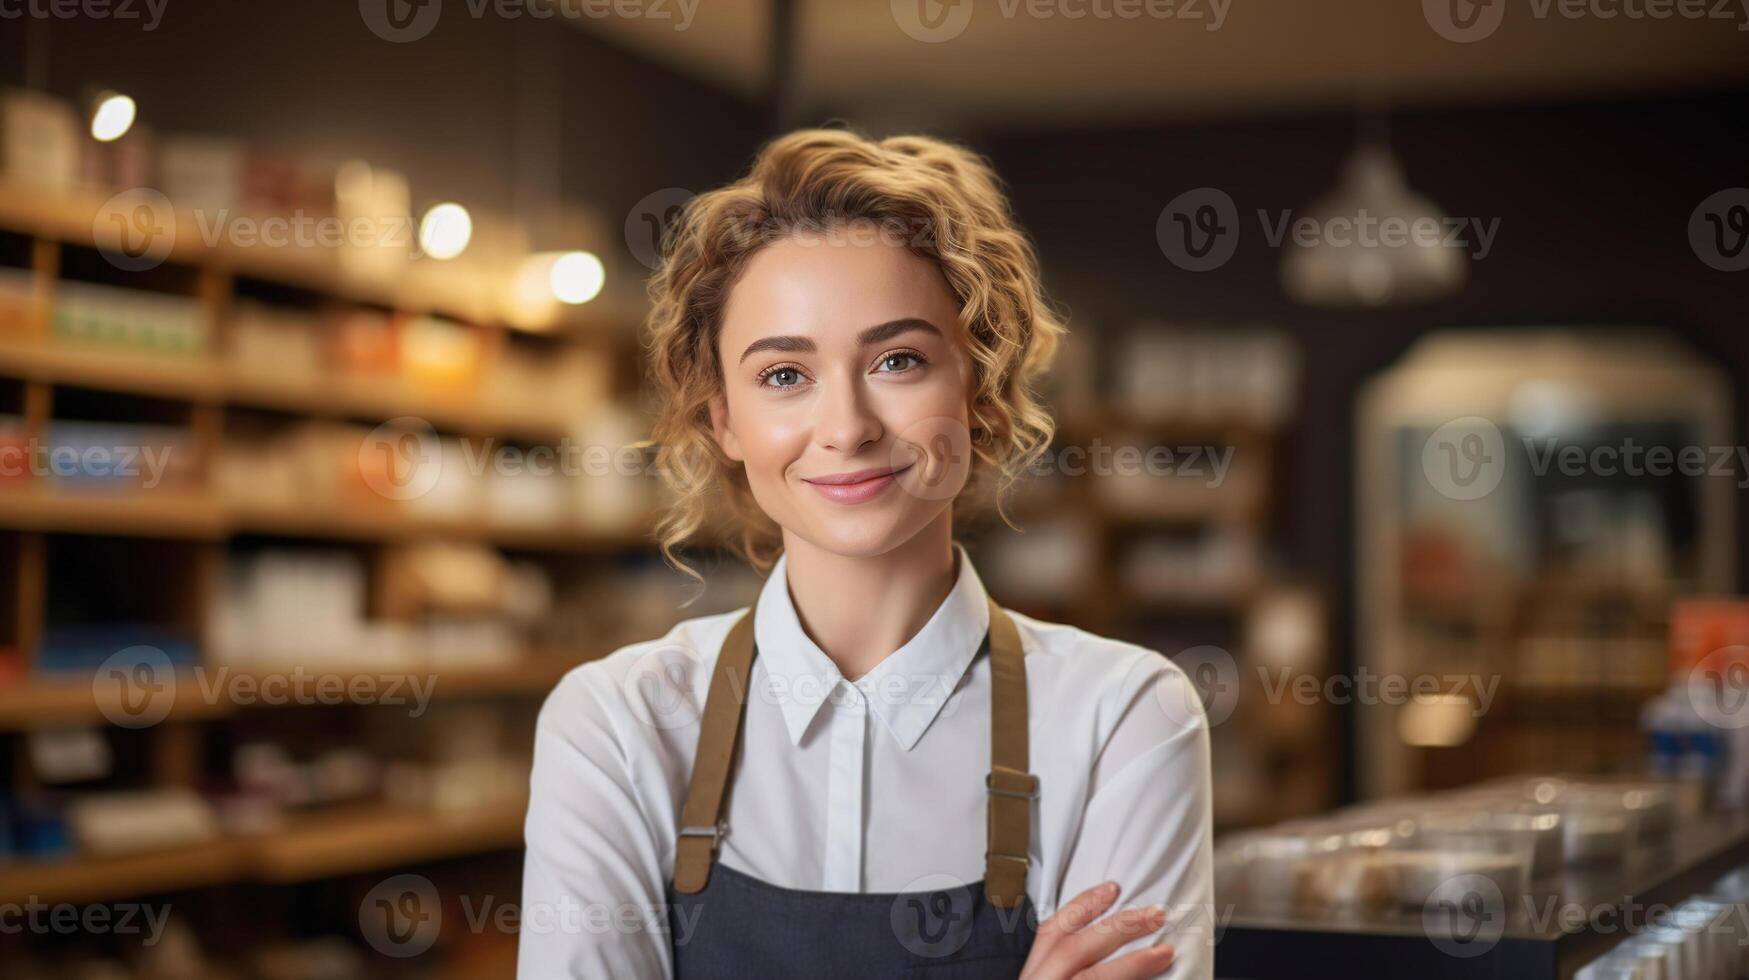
1028 794
715 832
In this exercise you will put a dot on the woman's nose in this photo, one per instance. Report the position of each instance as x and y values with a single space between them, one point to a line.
846 422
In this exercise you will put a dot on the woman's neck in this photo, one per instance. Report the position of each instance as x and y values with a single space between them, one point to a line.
860 610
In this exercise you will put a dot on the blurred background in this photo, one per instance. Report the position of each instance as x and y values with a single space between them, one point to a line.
1402 408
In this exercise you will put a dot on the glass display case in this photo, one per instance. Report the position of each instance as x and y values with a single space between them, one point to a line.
1529 504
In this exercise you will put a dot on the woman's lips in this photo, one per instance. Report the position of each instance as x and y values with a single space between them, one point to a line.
854 488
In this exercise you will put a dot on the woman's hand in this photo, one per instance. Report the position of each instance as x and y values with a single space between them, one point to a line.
1070 944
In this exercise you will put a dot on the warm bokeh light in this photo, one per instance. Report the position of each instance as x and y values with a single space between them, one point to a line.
445 230
577 277
112 116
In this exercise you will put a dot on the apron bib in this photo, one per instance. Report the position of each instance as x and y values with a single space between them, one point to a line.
726 925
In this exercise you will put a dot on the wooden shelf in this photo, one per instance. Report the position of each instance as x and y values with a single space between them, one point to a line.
329 844
159 514
464 289
90 879
56 702
345 841
198 516
203 380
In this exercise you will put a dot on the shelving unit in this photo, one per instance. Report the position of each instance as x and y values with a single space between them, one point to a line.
1094 587
69 702
1558 585
50 238
363 838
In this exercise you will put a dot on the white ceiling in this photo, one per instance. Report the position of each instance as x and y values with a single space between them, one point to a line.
1267 55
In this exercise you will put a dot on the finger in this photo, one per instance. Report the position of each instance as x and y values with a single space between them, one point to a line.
1073 916
1089 946
1141 964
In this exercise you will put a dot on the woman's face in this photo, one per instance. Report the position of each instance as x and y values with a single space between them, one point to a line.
846 389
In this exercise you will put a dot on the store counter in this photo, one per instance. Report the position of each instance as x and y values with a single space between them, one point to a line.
1361 922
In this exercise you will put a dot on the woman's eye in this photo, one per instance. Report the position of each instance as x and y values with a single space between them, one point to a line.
783 378
899 362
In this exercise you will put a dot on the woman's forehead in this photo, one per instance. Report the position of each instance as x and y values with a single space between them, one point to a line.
832 288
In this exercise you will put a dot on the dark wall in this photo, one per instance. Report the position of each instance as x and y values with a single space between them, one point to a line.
471 110
1593 202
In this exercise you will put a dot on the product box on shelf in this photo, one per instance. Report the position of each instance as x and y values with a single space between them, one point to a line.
39 140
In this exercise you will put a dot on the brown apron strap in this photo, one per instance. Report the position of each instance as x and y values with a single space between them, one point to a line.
1012 787
701 820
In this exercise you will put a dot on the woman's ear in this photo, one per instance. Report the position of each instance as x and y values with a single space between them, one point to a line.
725 436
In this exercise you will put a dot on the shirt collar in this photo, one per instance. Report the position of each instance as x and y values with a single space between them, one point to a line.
905 691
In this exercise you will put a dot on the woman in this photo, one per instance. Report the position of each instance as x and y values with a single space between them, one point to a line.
874 771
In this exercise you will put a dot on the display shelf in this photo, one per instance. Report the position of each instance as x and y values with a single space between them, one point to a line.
353 839
197 516
202 380
460 289
91 879
1532 945
374 836
156 514
60 702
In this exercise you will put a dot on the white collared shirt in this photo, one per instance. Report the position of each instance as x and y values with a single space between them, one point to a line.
875 785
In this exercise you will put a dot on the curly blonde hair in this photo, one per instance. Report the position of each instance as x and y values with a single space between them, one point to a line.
949 206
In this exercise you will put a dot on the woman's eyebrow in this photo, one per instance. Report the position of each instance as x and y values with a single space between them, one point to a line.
872 335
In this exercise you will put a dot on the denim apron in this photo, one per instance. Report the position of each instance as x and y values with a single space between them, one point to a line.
736 926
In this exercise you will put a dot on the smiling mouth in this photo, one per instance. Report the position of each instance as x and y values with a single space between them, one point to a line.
859 476
854 488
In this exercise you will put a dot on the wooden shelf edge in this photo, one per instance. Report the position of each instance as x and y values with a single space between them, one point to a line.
359 839
326 845
205 380
197 515
48 703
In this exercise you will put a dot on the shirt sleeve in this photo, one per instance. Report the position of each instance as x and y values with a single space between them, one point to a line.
593 892
1148 822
